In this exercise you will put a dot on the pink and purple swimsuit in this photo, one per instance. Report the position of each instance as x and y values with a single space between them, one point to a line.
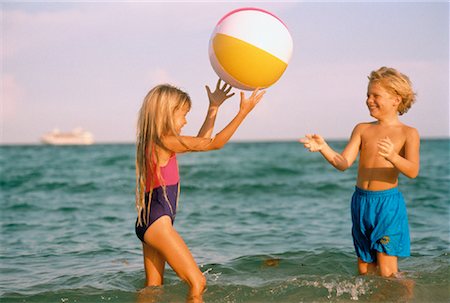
159 205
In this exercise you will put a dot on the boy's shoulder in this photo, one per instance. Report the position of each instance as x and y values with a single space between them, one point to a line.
361 128
364 125
366 128
408 128
410 131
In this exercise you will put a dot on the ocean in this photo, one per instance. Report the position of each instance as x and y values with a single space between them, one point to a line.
265 221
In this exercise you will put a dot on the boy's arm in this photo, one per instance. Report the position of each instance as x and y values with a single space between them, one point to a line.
409 164
187 144
216 99
340 161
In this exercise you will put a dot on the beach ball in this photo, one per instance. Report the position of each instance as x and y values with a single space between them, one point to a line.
250 48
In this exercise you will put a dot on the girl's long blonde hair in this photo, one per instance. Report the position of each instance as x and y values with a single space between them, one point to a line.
155 119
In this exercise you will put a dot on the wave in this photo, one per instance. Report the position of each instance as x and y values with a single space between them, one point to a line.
297 276
266 222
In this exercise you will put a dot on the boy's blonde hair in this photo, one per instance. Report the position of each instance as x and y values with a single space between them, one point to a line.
155 120
395 83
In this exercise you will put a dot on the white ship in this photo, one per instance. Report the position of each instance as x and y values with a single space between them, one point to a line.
77 136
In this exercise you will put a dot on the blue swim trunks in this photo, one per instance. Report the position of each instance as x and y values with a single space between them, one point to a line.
380 224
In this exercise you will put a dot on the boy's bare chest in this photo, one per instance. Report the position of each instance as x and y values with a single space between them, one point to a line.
373 135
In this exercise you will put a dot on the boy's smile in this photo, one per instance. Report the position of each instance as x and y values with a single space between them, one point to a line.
380 102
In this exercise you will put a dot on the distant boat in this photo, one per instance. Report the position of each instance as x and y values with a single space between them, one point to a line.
77 136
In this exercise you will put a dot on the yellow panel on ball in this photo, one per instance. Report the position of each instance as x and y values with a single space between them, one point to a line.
248 64
250 48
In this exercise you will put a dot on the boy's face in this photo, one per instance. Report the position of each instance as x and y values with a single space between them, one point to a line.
179 118
380 102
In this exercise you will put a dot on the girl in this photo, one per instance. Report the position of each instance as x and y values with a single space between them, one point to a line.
161 118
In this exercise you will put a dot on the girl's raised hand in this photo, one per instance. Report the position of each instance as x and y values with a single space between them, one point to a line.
217 97
248 104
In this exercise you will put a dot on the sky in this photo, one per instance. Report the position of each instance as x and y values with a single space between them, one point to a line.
90 64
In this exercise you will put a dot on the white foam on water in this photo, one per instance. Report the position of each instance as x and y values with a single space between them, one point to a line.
355 288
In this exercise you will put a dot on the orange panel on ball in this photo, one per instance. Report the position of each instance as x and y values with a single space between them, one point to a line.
246 63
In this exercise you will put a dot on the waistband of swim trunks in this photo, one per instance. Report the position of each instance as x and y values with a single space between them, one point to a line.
377 193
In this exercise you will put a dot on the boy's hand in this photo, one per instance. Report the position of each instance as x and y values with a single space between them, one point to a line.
313 143
217 97
248 104
386 148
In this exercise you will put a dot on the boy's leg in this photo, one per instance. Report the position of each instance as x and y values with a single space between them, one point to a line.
388 265
165 239
154 266
365 268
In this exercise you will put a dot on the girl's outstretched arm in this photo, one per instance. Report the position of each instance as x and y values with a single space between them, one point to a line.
216 99
188 144
246 107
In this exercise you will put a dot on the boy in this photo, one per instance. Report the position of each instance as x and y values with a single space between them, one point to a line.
387 148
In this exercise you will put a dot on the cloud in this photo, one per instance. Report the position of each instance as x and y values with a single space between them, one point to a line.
159 76
94 62
12 95
24 30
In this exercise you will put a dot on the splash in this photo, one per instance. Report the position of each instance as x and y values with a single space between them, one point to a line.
337 288
211 276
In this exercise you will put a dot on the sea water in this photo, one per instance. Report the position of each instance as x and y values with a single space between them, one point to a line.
265 221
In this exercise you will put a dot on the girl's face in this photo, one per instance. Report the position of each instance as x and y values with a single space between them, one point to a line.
380 102
179 118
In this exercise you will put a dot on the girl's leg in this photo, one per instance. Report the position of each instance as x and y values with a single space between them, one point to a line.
365 268
154 266
387 264
165 239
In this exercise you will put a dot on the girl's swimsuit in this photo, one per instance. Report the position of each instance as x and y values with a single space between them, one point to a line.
159 204
380 224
